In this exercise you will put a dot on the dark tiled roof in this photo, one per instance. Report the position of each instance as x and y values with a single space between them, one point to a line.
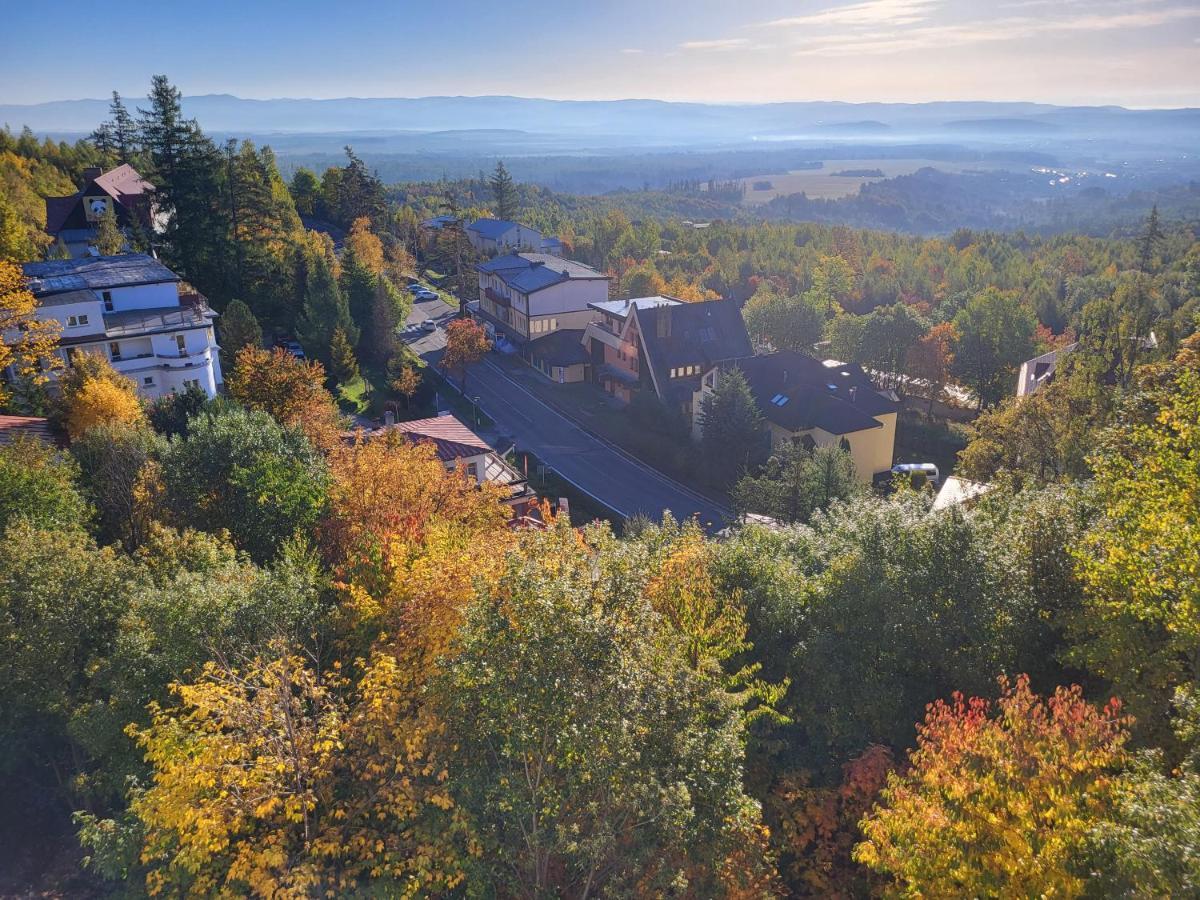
561 348
493 229
838 399
57 210
529 272
15 427
451 439
697 334
95 273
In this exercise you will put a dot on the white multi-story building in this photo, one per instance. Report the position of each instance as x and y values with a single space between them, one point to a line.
131 310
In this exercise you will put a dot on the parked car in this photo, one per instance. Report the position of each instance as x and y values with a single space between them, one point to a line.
424 294
919 474
429 325
292 347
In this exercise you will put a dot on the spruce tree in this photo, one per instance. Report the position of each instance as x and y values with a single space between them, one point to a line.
504 192
123 128
325 310
1152 236
341 358
110 240
238 328
733 437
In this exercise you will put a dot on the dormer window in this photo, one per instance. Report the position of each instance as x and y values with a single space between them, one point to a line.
780 399
106 296
77 321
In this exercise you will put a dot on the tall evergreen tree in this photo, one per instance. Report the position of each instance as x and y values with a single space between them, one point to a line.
325 310
239 328
733 437
504 192
1152 236
123 128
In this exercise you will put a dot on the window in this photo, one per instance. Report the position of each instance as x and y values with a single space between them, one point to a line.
114 350
191 382
148 381
543 326
473 471
76 321
181 343
780 399
106 296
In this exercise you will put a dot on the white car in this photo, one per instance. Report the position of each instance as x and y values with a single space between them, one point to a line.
429 325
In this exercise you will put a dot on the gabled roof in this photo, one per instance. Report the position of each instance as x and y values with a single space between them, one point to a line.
57 210
560 348
529 272
437 222
56 276
13 428
494 229
123 184
451 439
699 334
798 392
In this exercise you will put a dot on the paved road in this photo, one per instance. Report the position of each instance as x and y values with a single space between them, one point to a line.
608 474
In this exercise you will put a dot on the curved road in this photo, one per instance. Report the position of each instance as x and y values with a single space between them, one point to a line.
607 473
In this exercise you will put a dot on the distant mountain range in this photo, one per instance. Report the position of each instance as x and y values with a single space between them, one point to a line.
640 122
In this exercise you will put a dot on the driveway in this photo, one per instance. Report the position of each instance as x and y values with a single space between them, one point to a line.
599 469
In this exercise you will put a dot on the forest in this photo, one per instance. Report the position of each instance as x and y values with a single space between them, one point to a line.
244 655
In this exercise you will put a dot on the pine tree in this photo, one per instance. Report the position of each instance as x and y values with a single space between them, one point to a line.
123 129
110 240
325 309
341 355
504 192
733 437
388 310
239 328
1152 236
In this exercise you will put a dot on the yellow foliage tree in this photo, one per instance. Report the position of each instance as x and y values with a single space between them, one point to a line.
365 245
93 393
291 390
997 806
29 344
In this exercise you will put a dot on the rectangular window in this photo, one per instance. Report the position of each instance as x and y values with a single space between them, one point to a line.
191 382
473 471
181 343
107 297
76 321
114 350
148 381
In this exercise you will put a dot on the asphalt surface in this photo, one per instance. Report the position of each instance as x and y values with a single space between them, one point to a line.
608 474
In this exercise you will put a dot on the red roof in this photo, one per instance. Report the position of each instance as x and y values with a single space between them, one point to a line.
13 427
123 182
451 438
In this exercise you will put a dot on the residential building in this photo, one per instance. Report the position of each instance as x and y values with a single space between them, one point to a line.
73 220
818 404
663 345
490 236
135 312
1038 372
460 448
526 296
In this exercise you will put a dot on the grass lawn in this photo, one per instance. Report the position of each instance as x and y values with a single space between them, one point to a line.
355 396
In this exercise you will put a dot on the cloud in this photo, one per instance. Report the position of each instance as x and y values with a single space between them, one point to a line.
871 12
932 37
718 44
632 50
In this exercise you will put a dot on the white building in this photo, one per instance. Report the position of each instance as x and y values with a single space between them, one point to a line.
526 296
131 310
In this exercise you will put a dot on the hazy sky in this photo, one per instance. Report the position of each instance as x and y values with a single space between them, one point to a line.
1129 52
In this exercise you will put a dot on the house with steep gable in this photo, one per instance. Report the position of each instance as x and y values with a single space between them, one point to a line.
74 220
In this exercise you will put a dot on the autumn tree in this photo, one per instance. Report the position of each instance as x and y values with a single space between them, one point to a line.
292 390
29 343
119 468
406 383
466 344
998 805
39 485
1140 561
342 360
94 393
365 245
930 359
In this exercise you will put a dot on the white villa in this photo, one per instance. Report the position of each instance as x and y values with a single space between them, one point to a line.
132 310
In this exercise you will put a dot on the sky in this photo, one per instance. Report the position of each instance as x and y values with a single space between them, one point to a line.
1137 53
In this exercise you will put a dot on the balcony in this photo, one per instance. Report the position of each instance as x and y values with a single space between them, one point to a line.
497 298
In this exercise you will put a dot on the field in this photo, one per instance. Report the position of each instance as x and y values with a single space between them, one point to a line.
824 184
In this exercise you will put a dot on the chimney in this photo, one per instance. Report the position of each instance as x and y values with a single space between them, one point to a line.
853 393
91 173
785 376
389 418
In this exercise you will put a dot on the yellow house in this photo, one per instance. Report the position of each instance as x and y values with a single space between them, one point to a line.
821 405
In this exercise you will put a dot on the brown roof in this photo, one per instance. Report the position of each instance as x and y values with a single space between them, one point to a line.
124 183
14 427
451 438
57 210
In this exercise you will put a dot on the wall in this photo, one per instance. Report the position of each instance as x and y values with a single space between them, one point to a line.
569 296
145 296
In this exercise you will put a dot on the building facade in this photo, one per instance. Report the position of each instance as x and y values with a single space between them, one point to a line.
527 296
73 220
133 311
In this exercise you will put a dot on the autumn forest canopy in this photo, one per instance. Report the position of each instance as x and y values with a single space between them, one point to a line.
244 654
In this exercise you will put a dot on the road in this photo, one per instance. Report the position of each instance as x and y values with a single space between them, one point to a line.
597 468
